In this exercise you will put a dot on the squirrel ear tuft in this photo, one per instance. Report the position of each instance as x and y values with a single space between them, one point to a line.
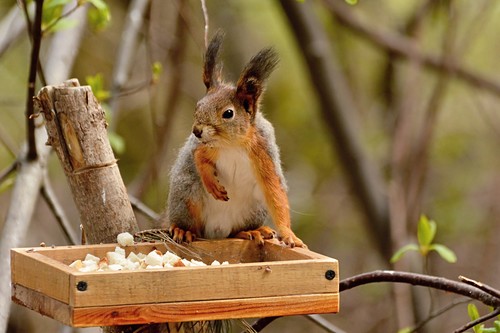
212 76
251 83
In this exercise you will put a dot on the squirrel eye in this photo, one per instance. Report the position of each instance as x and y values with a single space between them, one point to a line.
228 114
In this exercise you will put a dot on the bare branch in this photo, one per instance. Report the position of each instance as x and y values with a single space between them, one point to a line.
126 53
205 17
403 47
478 321
437 313
439 283
142 208
480 285
51 199
261 323
35 51
7 171
324 324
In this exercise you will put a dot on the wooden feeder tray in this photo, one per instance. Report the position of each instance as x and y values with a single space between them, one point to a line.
261 281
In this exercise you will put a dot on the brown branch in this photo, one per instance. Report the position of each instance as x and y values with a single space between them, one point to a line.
50 198
480 285
35 52
434 282
403 47
337 107
139 206
7 171
478 321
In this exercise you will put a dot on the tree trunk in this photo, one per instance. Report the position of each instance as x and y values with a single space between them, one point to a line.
76 126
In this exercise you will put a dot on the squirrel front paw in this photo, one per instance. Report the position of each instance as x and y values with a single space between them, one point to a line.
217 191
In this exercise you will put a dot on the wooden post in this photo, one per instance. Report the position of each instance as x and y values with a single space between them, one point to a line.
76 127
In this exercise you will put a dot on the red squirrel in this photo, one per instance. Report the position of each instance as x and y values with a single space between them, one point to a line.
227 178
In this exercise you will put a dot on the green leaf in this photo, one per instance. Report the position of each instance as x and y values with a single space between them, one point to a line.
497 325
352 2
399 253
405 330
445 252
472 311
426 231
99 15
51 4
99 4
157 69
96 82
117 143
489 330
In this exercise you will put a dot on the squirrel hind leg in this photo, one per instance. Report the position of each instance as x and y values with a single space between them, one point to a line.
292 241
258 235
180 235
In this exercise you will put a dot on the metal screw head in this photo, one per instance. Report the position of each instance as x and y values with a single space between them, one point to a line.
330 274
81 285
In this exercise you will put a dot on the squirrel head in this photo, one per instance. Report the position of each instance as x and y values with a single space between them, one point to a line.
227 112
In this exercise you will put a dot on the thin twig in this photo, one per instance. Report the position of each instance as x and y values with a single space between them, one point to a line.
142 208
50 198
261 323
403 47
63 16
35 52
7 171
205 17
126 53
324 324
437 313
480 285
478 321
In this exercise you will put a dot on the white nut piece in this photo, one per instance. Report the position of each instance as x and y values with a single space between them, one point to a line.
125 239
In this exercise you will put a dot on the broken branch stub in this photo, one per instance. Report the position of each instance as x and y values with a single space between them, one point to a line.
76 126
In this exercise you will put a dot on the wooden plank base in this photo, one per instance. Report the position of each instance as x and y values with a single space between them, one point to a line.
178 311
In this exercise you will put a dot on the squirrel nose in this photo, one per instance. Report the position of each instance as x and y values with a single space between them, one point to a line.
198 131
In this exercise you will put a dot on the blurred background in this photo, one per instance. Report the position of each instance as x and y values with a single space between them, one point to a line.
383 110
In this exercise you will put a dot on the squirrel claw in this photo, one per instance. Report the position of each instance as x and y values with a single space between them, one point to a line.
180 235
293 241
258 235
218 192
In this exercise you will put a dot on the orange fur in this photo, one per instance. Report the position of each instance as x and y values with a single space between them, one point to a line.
274 192
205 158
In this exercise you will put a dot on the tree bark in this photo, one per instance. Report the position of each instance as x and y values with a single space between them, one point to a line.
76 126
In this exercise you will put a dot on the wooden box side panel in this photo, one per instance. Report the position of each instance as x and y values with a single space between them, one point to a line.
206 310
35 271
205 283
42 304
